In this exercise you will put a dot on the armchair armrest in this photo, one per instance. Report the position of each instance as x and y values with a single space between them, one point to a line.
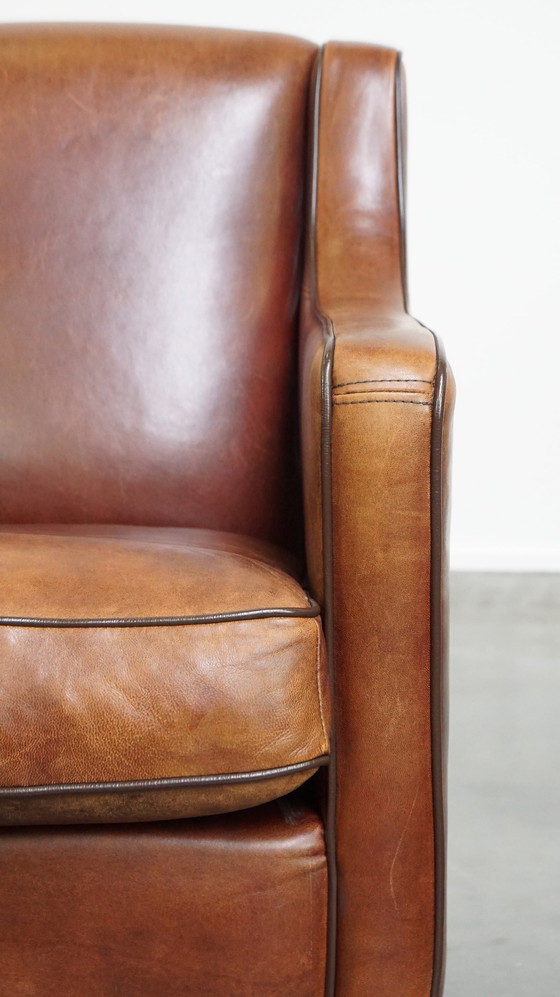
376 400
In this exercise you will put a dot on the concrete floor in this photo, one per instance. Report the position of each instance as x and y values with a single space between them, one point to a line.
504 779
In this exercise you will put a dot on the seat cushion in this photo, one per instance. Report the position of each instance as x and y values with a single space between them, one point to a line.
148 673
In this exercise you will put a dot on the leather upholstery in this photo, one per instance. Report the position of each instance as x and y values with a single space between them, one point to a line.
224 906
150 197
372 477
163 655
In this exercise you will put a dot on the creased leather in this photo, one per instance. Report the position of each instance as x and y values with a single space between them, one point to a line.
151 198
366 442
134 702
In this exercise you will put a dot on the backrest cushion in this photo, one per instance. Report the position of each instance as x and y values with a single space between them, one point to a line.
151 185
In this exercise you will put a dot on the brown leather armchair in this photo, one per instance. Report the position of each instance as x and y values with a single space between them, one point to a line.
177 816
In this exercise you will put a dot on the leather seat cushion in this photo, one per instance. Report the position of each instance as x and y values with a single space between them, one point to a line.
148 673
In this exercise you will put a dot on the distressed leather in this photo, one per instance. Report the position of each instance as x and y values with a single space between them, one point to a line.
127 658
370 475
152 193
232 905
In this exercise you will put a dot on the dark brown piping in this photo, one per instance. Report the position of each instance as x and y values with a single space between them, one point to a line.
400 152
179 782
166 621
327 520
438 667
438 706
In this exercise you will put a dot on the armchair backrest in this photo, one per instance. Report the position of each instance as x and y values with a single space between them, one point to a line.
151 189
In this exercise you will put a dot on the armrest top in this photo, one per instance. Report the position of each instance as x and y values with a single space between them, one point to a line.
380 352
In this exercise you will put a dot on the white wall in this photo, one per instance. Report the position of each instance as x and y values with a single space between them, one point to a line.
484 228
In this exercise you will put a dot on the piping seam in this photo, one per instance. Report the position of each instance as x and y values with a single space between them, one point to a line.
244 615
326 326
318 680
173 782
437 666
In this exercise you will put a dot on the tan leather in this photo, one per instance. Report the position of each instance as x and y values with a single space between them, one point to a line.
367 422
166 654
74 572
150 197
152 202
223 906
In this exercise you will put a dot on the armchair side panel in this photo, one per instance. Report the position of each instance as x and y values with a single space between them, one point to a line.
373 399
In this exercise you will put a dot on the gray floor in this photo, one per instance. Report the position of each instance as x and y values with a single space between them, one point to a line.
504 799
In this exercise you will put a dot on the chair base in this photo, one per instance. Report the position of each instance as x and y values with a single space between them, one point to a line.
209 907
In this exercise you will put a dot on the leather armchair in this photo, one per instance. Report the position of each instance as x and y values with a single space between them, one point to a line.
223 618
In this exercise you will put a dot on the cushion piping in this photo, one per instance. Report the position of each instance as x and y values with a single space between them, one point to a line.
165 621
174 782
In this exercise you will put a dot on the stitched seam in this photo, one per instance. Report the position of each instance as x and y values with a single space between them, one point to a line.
318 680
384 380
381 401
382 391
403 392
